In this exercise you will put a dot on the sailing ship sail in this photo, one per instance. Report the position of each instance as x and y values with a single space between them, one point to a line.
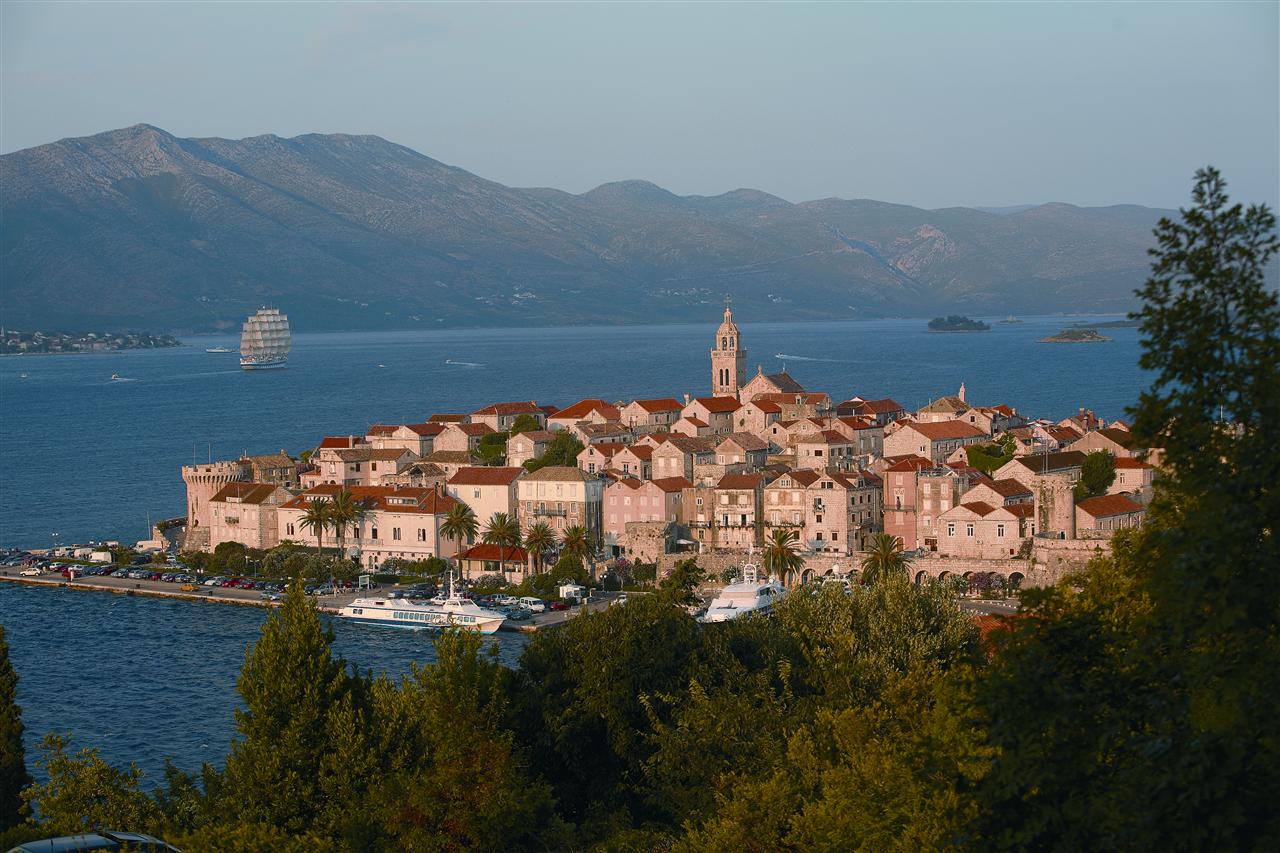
265 340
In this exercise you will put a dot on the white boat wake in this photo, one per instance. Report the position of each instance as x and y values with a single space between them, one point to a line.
783 356
463 363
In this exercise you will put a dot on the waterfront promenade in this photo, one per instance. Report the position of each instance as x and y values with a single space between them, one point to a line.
253 598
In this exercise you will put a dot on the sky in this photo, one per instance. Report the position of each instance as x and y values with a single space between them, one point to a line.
932 105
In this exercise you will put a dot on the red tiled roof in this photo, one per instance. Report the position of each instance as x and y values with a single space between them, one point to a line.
805 477
783 382
859 423
629 482
740 481
426 429
641 451
698 422
718 405
665 404
485 551
945 430
1122 437
1063 433
537 435
1104 506
606 448
746 441
524 407
247 493
1008 487
583 408
672 484
389 454
882 407
909 463
1130 462
980 507
485 476
424 501
767 406
475 429
337 442
382 429
1021 510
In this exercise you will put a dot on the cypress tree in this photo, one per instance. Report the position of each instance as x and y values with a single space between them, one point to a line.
13 766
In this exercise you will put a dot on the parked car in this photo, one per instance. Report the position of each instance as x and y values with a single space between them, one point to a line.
535 605
30 573
559 605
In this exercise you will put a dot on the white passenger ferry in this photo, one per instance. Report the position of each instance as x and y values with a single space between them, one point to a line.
749 595
435 615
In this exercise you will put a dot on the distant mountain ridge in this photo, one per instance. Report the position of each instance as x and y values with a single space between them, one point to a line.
139 228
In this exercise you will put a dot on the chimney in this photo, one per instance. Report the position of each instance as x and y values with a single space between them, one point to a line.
1082 413
686 399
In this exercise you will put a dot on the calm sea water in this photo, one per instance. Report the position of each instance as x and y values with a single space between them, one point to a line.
83 457
145 678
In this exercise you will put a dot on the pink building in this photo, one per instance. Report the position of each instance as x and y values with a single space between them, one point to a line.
246 513
824 449
935 441
978 530
458 437
630 500
635 460
500 416
597 458
525 446
1133 477
643 416
590 410
881 412
679 456
487 490
1107 514
717 412
1120 443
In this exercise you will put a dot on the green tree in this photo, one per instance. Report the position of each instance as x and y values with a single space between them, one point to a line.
1097 473
84 792
315 518
301 750
524 423
460 525
987 458
539 539
346 512
1168 649
493 448
504 531
884 559
562 450
779 555
13 766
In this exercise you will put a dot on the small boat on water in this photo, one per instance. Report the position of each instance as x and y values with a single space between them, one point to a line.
462 363
116 377
219 349
454 611
1010 320
744 597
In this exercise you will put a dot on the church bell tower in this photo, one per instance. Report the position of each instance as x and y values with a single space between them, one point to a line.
728 358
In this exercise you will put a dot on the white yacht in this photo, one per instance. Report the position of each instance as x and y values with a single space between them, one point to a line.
265 340
434 615
749 595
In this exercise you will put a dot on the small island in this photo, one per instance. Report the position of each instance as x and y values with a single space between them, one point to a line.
13 342
1075 336
956 323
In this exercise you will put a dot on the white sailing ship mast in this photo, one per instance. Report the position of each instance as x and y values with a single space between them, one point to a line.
265 340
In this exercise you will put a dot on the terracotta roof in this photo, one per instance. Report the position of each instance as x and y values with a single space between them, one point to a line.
1063 433
641 451
450 457
1122 437
665 404
385 498
1108 505
882 407
1004 410
783 382
560 473
672 484
382 429
474 429
693 443
859 423
1008 487
804 477
740 481
945 430
909 463
1022 510
353 454
766 406
447 418
746 441
1130 462
426 429
583 408
718 405
698 422
628 482
981 508
485 476
334 442
485 551
949 403
607 448
607 428
524 407
246 493
389 454
537 436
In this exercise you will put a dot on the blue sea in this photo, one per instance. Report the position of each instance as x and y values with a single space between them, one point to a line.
84 457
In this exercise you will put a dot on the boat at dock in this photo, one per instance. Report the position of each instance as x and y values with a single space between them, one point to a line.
454 611
265 340
744 597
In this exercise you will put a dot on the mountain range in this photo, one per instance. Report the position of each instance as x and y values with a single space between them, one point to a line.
137 228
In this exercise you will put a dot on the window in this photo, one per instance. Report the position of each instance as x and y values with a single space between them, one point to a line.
422 535
818 518
697 501
626 501
373 533
395 534
591 467
835 536
968 529
1000 530
288 528
951 529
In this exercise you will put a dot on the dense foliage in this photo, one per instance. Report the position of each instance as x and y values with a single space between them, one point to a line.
1131 707
1097 473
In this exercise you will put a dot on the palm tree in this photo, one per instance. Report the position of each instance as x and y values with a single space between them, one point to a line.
344 512
316 519
503 531
538 541
460 524
577 541
884 558
779 554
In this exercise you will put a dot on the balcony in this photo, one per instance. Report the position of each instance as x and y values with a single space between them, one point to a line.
550 513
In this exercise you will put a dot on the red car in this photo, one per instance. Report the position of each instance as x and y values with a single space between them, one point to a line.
559 605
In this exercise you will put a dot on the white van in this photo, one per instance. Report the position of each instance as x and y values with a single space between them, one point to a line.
535 605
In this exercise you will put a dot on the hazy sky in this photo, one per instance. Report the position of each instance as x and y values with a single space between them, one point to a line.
931 105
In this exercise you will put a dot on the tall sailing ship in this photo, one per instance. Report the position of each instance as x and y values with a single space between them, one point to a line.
265 340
